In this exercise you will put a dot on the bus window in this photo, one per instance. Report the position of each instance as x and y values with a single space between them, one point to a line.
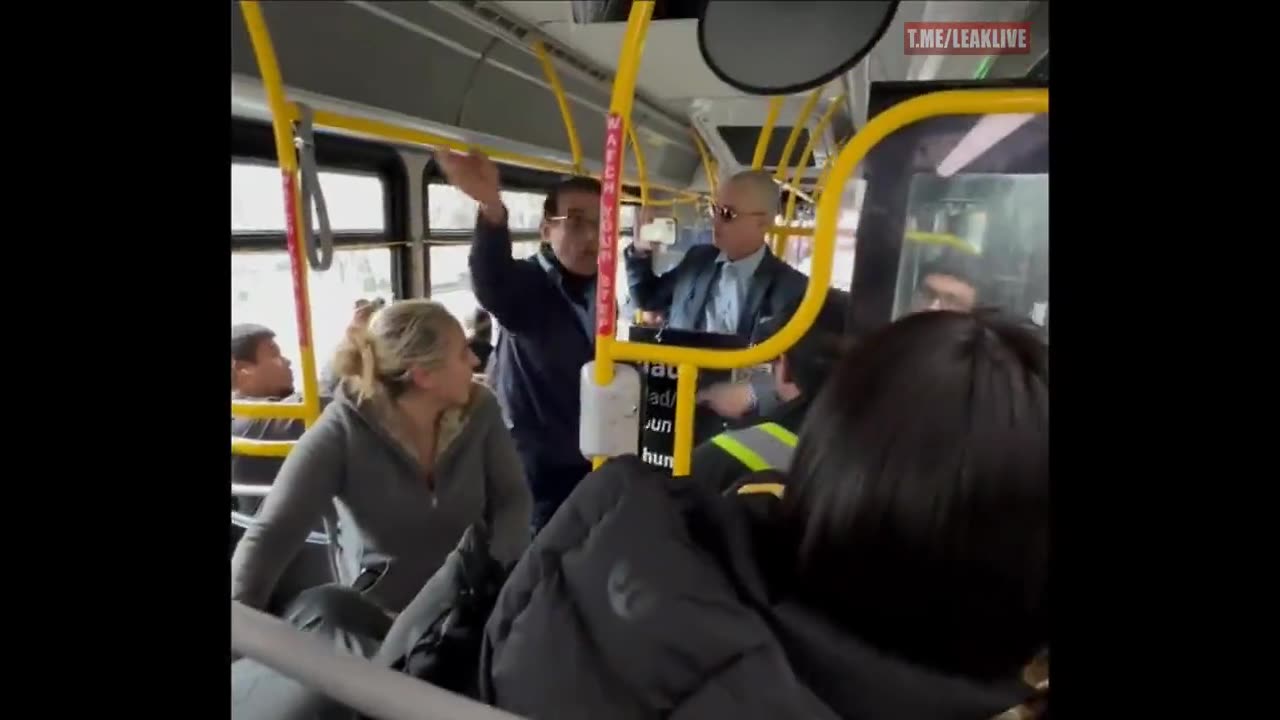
449 210
452 215
354 200
800 249
262 292
978 239
261 278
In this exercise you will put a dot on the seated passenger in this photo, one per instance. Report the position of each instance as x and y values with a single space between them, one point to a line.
797 375
259 373
901 574
414 451
480 338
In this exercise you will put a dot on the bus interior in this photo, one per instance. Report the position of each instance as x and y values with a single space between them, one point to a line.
531 84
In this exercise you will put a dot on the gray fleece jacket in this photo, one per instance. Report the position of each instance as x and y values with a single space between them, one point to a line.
408 527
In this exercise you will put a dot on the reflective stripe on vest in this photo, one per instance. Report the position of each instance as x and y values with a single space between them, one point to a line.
767 446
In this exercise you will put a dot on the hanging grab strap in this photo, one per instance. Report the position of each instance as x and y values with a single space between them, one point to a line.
309 176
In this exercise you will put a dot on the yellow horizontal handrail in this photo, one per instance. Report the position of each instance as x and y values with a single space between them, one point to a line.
269 410
261 448
390 132
947 239
788 231
949 102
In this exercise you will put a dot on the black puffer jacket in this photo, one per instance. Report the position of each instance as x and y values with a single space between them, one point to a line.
438 636
648 597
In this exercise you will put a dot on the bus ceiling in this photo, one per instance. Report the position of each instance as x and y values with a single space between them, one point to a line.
469 71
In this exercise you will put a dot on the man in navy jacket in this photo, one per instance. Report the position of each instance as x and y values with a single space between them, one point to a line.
546 308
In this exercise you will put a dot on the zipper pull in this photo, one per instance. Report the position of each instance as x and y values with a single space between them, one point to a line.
434 503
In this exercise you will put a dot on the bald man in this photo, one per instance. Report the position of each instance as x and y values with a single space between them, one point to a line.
728 286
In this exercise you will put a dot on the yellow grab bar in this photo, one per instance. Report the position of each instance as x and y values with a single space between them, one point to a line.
557 89
260 448
766 132
282 116
951 102
947 239
682 443
805 112
389 132
801 164
624 85
269 410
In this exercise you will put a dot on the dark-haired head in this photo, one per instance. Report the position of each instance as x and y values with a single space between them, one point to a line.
919 496
804 367
258 369
948 282
571 223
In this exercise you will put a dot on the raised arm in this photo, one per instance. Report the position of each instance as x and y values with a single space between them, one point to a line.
309 479
648 291
505 287
508 502
509 289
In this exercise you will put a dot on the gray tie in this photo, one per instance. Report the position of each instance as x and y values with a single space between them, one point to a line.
727 300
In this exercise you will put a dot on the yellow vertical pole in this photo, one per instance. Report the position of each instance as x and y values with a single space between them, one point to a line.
624 86
281 123
805 112
766 132
809 147
682 450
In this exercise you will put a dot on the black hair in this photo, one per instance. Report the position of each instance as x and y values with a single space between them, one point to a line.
481 325
810 360
246 339
574 183
918 500
953 263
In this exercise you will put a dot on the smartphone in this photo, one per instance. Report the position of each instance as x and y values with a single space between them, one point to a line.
661 231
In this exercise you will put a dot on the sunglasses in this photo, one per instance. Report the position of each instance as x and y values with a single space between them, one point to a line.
724 213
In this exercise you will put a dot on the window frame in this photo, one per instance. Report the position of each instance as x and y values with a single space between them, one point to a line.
253 142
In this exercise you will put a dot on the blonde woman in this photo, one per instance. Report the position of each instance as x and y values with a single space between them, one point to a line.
415 453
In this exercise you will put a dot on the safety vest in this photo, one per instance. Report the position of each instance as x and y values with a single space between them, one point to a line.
767 446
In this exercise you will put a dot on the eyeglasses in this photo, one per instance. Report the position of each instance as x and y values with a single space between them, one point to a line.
577 223
724 213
